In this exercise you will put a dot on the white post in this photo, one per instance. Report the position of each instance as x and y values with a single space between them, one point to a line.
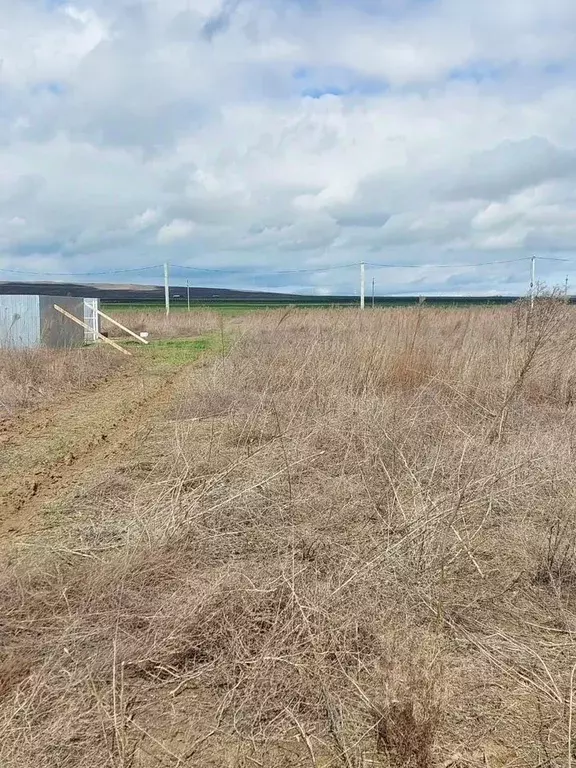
532 282
362 284
188 293
167 287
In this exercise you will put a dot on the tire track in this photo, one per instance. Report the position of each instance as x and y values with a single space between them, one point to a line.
43 453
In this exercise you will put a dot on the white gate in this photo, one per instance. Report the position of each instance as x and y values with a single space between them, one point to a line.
91 318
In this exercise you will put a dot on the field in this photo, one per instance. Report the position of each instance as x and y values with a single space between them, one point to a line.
222 307
296 538
240 307
195 306
231 308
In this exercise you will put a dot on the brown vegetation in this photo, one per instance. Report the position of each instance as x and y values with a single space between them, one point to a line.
31 377
179 324
355 546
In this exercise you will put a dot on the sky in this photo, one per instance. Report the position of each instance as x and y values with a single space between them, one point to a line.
275 144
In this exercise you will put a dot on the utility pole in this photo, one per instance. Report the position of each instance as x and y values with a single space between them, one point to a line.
532 282
188 293
373 284
362 284
566 287
167 287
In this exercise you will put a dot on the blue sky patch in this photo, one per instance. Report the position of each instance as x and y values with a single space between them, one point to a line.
53 87
317 93
316 83
479 71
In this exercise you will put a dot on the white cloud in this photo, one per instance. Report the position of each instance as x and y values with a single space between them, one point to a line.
178 229
191 128
144 220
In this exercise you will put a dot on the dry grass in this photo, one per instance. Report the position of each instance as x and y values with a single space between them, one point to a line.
179 324
357 547
32 377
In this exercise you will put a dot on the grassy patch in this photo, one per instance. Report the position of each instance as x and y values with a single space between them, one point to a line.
173 352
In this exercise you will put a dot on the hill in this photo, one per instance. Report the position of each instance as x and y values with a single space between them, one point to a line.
146 294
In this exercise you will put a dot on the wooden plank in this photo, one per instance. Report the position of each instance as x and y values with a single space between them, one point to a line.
87 327
111 319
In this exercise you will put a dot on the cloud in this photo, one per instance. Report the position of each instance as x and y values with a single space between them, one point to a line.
512 166
265 135
143 220
178 229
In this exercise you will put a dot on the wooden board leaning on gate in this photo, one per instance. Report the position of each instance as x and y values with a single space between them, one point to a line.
87 327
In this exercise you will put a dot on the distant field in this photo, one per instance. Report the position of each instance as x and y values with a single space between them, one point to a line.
241 307
229 308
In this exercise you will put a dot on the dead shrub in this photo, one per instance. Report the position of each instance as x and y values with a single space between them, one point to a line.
353 547
179 324
33 377
411 713
557 566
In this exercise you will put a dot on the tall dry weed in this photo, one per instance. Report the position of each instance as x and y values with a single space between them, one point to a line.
354 550
32 377
179 324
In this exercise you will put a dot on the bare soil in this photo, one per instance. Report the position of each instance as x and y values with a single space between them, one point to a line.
45 451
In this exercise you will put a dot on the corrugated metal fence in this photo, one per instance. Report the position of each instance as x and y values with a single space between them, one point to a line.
31 321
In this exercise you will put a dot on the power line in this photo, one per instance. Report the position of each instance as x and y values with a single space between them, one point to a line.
79 274
242 270
355 265
304 270
453 265
224 270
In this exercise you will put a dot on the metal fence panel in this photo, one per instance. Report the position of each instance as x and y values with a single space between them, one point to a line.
57 331
19 322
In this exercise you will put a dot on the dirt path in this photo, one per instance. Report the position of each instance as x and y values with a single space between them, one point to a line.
43 452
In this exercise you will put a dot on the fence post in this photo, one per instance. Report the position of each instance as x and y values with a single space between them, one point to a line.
167 287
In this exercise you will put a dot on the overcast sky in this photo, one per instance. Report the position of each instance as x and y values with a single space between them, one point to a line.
255 136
